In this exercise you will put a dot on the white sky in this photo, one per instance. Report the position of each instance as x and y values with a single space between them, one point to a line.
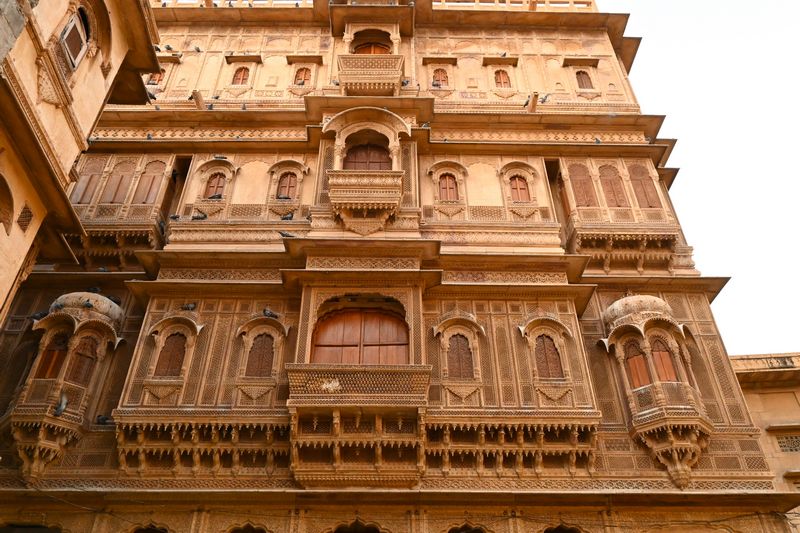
725 74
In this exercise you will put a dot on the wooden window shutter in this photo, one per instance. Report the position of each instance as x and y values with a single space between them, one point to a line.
82 363
644 188
519 189
665 364
287 186
548 360
149 182
118 183
502 80
613 189
170 360
53 357
459 358
636 366
260 358
448 188
356 336
440 78
215 185
241 76
584 80
302 76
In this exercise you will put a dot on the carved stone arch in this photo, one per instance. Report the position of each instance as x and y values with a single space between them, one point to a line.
359 525
247 527
562 528
100 23
664 323
6 205
620 332
466 526
459 172
518 169
537 321
106 334
280 168
150 527
190 323
382 121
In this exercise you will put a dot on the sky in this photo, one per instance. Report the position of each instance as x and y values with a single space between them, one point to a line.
725 74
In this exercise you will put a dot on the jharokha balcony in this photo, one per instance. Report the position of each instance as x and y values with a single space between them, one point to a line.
370 75
365 199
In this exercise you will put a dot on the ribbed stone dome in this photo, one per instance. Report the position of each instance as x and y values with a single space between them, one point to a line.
90 306
631 307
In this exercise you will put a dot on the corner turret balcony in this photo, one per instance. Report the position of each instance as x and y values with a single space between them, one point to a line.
365 199
370 75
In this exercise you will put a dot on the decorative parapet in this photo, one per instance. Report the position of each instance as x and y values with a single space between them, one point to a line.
358 385
370 75
519 5
365 199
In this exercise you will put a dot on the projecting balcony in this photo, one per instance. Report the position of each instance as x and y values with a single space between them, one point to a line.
582 6
370 75
365 199
358 385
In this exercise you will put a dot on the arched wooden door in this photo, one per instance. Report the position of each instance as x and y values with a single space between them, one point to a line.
361 337
368 157
372 49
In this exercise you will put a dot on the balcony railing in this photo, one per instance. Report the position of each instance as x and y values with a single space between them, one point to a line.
370 75
356 385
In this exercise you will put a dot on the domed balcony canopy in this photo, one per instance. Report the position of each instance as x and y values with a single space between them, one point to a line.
84 309
634 313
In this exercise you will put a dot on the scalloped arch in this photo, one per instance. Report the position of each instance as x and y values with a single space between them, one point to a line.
176 319
465 319
534 322
287 164
447 165
367 115
253 323
509 168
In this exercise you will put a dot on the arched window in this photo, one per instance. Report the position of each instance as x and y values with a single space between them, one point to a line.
241 76
361 336
519 189
156 78
459 358
215 186
613 189
448 188
644 188
82 361
259 360
149 182
287 186
53 357
636 366
548 360
302 76
584 80
6 206
170 360
501 79
368 157
372 48
664 362
582 186
467 529
118 183
75 37
440 78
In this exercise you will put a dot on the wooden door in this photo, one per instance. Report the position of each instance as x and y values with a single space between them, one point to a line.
361 337
372 49
368 157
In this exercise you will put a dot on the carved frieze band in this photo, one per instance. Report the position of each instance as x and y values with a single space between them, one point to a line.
256 274
637 137
201 134
508 278
363 263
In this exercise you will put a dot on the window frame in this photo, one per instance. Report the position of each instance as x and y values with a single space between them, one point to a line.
246 75
499 83
77 24
580 81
